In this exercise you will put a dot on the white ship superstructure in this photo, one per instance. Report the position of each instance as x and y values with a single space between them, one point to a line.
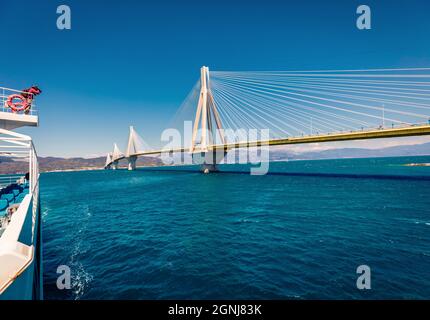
20 219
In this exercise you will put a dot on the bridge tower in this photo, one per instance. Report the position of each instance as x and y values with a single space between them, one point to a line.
108 161
132 149
207 113
116 154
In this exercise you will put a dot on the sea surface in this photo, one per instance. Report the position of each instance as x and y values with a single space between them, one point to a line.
299 232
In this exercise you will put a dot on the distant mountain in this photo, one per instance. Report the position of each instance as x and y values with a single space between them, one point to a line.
397 151
65 164
8 165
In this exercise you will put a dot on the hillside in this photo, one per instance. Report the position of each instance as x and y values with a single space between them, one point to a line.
63 164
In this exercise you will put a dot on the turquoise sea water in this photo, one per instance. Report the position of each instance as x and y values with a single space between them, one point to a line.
299 232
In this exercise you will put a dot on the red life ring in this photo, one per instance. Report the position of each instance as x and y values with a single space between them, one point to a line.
17 106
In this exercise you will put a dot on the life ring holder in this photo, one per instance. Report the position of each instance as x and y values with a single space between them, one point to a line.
15 106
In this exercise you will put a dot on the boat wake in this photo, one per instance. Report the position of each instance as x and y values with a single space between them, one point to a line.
45 214
80 277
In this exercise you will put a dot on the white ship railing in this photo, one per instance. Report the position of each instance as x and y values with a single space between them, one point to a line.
17 242
5 93
6 180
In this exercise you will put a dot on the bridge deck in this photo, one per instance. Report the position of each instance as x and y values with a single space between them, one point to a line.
413 130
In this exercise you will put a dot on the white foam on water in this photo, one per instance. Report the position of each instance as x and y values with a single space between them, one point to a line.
80 278
45 213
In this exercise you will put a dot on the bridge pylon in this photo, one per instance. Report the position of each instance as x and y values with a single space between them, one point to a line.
116 154
206 114
108 161
132 149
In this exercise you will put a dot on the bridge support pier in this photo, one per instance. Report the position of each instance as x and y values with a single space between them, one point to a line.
114 165
132 163
208 160
208 168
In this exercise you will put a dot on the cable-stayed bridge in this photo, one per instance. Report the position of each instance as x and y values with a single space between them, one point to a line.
293 107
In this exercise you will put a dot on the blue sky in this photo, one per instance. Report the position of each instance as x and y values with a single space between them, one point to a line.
133 62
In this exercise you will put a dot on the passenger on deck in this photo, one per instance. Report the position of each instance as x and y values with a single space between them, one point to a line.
29 94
